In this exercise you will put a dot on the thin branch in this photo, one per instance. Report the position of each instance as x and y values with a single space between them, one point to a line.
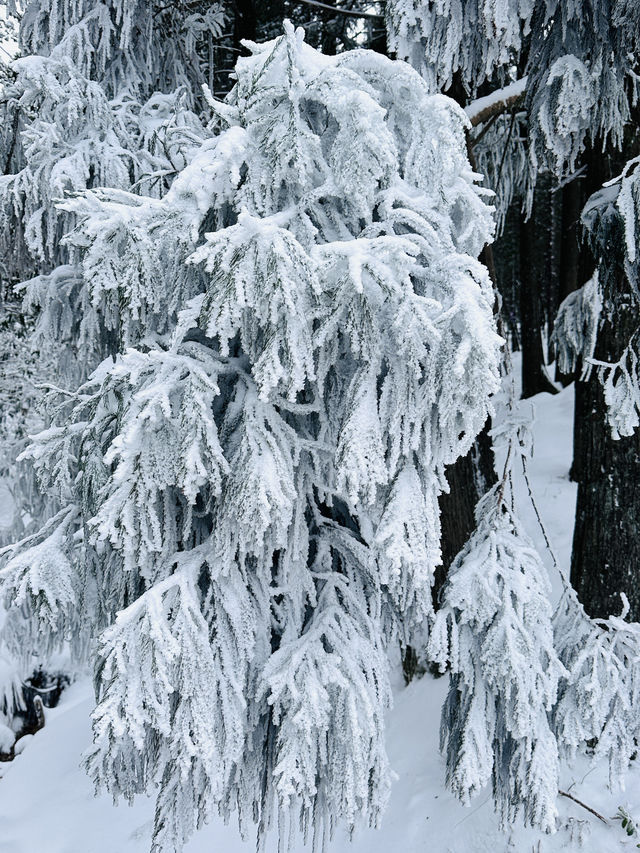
486 128
351 13
556 564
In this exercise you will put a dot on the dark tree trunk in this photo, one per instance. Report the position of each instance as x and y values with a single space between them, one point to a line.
534 374
244 23
606 543
328 42
469 478
577 268
581 410
570 242
569 251
456 516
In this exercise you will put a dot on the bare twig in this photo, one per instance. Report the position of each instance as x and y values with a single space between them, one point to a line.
487 127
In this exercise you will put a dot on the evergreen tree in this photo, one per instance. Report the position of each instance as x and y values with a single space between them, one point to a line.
273 345
579 94
494 633
303 339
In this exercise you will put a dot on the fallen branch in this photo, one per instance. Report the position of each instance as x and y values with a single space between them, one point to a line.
584 806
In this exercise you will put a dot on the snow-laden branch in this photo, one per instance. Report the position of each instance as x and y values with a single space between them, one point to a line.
482 109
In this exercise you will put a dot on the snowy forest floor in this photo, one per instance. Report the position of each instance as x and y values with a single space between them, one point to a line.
47 803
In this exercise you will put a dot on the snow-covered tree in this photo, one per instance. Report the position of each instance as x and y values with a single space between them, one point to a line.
583 78
463 46
91 105
303 339
470 39
578 68
79 112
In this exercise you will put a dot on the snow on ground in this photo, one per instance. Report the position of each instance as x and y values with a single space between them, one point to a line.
553 492
47 803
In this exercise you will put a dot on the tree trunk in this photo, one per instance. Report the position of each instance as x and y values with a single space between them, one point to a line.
244 23
606 542
569 251
469 478
534 375
570 246
328 42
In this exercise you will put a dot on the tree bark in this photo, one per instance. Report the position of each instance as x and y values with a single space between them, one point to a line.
606 542
534 374
469 478
569 252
